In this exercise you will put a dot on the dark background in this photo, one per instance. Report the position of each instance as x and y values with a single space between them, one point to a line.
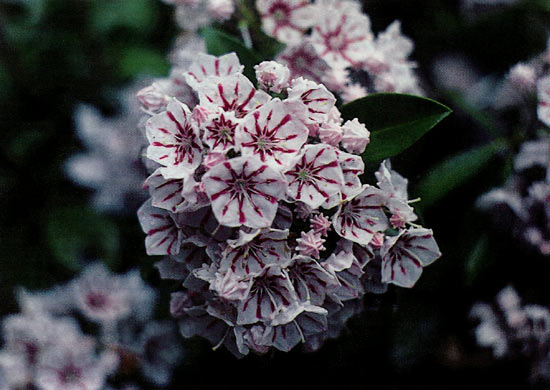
55 54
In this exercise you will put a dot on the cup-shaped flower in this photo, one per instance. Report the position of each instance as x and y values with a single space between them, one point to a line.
286 20
234 94
252 252
361 217
174 138
269 295
207 67
272 134
244 191
342 34
404 255
315 175
164 236
219 132
319 101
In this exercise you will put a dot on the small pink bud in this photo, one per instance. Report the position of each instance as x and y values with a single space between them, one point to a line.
356 136
152 99
330 133
272 76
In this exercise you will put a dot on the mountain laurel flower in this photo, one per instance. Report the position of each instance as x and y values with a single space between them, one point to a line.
286 20
240 181
355 136
310 244
272 76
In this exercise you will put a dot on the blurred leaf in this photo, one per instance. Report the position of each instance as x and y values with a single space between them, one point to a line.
25 143
218 43
106 16
78 233
136 61
477 260
396 121
454 172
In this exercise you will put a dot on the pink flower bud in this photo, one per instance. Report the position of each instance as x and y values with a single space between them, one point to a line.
356 136
330 133
152 99
272 76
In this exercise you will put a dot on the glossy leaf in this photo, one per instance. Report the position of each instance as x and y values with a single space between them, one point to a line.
396 121
454 172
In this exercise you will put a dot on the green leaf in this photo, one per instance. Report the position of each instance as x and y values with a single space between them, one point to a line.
75 234
455 171
137 61
396 121
219 43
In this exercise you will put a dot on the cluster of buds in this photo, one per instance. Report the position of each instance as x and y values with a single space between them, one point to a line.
511 329
45 348
258 206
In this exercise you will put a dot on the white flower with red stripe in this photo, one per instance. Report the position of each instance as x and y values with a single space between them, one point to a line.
404 255
208 67
315 175
272 134
361 217
219 132
174 138
342 34
164 234
244 192
318 100
286 20
234 94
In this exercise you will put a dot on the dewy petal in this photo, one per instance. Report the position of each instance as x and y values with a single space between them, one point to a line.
174 138
404 255
272 134
243 191
314 175
360 217
207 66
234 94
164 236
251 253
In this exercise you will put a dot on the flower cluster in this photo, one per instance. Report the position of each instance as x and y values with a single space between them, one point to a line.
331 41
511 329
258 205
111 166
45 347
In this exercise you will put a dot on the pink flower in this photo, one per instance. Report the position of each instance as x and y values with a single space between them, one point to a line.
342 34
272 134
272 76
330 133
311 281
152 98
286 20
244 191
310 244
352 168
207 66
174 138
361 217
315 175
404 255
356 136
